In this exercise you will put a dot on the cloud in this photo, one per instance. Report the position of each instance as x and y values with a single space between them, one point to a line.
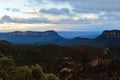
72 21
92 5
83 16
112 15
62 14
85 5
96 9
8 19
12 9
55 11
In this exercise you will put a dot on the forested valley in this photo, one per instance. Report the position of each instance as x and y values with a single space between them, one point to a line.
55 62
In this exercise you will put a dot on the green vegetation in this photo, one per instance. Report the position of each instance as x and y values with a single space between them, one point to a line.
9 71
34 62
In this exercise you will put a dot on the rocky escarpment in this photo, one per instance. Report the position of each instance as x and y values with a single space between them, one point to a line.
111 34
32 33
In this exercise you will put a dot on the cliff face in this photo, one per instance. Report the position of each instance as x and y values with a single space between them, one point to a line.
112 33
33 33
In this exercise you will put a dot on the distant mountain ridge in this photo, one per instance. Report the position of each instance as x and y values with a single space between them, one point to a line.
31 37
82 34
31 33
107 38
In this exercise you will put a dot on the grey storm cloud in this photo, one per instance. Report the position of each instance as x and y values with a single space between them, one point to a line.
55 11
86 5
96 5
12 9
110 7
8 19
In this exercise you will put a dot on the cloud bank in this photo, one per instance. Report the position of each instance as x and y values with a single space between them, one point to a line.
60 14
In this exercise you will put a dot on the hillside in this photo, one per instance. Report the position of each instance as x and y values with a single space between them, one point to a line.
106 39
67 62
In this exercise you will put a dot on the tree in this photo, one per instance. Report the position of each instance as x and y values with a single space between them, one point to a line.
37 72
52 77
6 67
23 73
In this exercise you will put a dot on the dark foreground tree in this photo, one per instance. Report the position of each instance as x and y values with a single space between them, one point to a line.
8 71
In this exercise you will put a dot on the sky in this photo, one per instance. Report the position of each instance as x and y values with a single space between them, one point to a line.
59 15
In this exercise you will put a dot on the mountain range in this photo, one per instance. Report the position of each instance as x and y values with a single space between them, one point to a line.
106 39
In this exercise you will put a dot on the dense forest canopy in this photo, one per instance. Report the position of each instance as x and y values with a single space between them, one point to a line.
63 61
